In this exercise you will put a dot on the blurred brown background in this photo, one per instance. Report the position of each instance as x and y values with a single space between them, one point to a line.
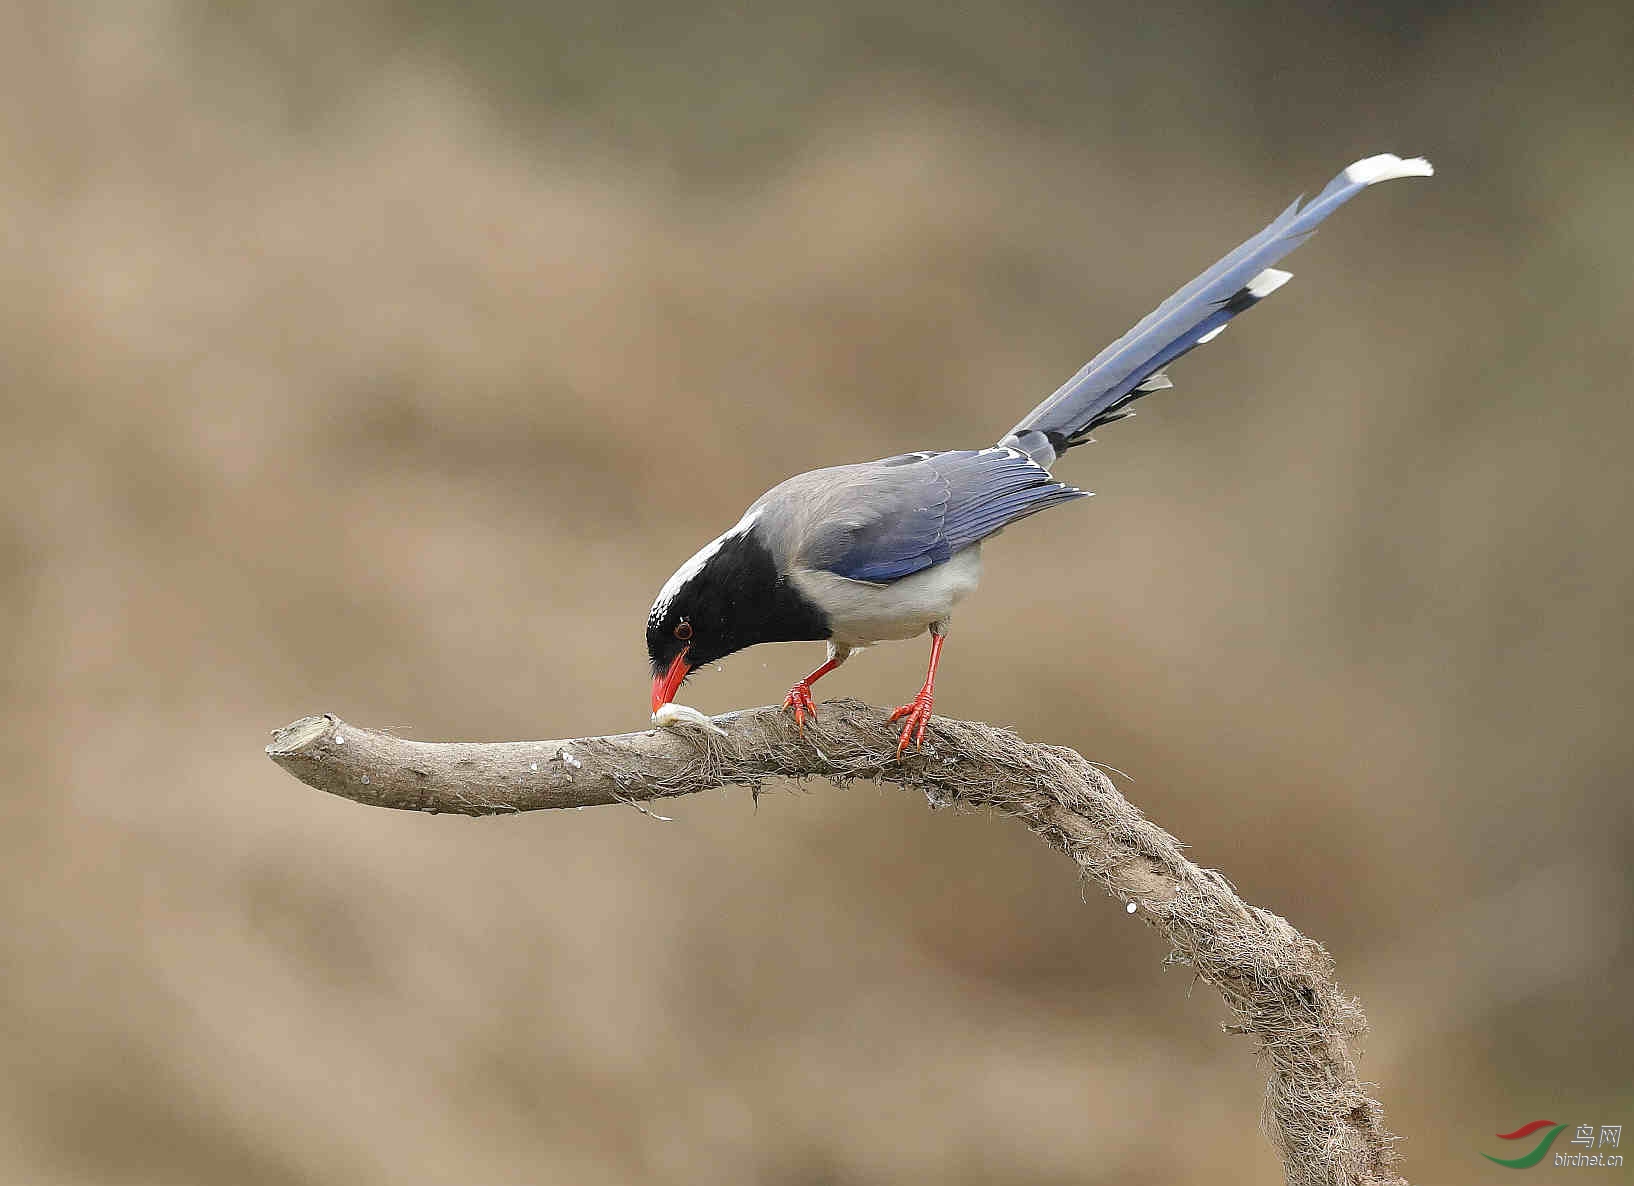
385 358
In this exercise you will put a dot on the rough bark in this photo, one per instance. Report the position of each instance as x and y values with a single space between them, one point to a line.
1277 983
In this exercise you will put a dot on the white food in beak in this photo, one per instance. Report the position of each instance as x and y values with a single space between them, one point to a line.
671 715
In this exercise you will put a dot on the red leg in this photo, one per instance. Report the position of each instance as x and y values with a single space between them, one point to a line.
917 710
799 697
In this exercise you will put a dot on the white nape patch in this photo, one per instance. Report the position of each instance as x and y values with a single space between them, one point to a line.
1386 167
671 715
1267 282
1211 335
692 567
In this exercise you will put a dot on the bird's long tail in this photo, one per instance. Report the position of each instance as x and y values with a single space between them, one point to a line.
1134 365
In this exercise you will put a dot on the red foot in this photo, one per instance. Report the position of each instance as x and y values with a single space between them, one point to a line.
918 713
799 699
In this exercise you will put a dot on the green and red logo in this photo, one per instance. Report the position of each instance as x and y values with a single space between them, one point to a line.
1538 1151
1595 1151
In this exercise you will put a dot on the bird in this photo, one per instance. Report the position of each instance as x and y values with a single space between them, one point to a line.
854 555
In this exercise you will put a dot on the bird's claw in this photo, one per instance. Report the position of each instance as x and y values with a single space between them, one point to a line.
799 699
918 713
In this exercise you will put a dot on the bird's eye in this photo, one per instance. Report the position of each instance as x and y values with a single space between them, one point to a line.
683 630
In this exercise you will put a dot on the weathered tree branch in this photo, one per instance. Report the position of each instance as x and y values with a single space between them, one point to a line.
1277 983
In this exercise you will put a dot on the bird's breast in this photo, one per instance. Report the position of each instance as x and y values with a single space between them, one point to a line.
862 612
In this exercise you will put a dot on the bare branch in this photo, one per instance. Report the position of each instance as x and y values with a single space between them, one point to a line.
1278 984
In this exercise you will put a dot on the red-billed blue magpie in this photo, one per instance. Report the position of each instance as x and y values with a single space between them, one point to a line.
858 554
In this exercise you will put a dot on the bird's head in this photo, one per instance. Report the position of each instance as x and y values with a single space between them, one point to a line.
730 595
689 626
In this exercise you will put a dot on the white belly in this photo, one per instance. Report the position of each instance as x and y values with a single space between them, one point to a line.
861 613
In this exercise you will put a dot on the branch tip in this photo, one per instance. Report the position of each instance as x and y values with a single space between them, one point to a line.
297 735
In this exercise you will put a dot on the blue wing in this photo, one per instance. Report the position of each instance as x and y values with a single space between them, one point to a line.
903 514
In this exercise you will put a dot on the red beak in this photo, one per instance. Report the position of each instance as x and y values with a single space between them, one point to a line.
665 686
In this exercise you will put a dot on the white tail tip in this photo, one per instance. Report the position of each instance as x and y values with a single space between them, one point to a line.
1386 167
1267 282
